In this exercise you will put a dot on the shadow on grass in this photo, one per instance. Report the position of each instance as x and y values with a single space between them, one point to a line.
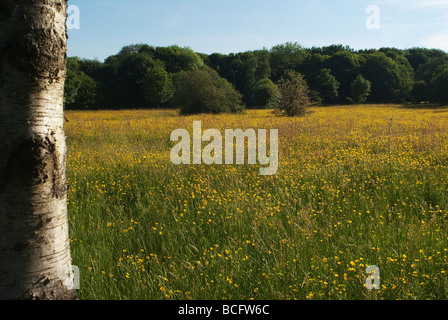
427 106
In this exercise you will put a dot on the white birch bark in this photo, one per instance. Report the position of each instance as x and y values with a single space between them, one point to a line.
35 258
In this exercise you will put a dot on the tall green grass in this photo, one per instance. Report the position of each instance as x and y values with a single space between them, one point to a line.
353 189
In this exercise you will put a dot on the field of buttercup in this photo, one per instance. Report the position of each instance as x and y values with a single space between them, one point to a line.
356 186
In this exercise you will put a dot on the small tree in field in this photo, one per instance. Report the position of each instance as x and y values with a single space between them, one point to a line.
294 95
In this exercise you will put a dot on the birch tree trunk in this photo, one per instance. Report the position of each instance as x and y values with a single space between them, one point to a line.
35 258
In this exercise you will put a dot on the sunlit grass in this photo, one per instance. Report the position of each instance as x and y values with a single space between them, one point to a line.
356 186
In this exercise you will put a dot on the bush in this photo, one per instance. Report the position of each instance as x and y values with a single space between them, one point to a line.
440 84
158 86
360 90
203 91
294 99
265 92
327 86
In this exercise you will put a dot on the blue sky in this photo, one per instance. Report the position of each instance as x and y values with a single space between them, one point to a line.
210 26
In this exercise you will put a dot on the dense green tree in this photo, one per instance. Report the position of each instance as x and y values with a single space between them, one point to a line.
178 59
140 75
427 70
158 86
287 56
326 85
204 91
313 64
420 92
360 90
243 70
391 81
87 93
265 93
128 88
80 90
330 50
72 82
440 84
420 56
345 66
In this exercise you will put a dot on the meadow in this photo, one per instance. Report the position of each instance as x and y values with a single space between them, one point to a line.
356 186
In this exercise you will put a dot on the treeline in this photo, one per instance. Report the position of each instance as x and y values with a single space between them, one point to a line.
143 76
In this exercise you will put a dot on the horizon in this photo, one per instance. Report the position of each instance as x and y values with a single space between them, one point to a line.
233 27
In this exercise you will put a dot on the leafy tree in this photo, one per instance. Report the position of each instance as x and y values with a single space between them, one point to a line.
35 260
440 84
420 92
72 81
344 66
265 93
287 56
361 89
139 75
391 81
313 64
420 56
330 50
427 70
294 95
243 70
424 74
127 87
178 59
327 86
158 86
87 92
80 90
204 91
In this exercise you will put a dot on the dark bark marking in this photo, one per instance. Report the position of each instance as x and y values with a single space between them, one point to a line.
35 161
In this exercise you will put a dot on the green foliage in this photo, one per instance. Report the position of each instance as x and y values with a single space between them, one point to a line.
158 86
80 90
72 82
204 91
420 92
391 81
361 89
178 59
327 86
265 93
129 80
287 56
345 67
420 56
440 84
294 95
140 75
243 70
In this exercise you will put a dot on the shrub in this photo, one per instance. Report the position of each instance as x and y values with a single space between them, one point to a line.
265 92
440 84
204 91
294 95
360 90
158 86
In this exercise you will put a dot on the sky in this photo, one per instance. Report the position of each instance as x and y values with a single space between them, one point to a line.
100 28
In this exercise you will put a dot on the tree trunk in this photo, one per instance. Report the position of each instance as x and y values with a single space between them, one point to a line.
35 258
